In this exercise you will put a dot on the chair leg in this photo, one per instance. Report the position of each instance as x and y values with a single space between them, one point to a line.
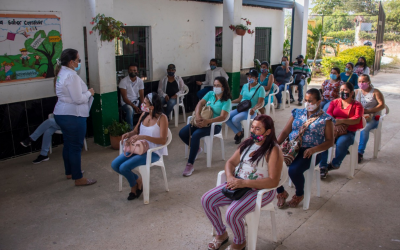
273 112
377 142
252 227
165 178
273 222
226 130
318 180
145 172
268 109
120 183
51 144
353 158
307 188
186 151
184 113
176 113
208 141
85 144
222 149
290 183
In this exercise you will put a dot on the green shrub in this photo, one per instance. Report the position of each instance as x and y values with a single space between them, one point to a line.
117 128
348 34
348 55
386 37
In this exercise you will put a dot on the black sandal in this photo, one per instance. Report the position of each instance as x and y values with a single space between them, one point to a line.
139 192
131 196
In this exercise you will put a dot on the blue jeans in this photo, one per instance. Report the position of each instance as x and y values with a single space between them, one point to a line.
300 89
342 146
47 129
74 130
204 91
170 105
325 104
123 165
197 134
130 112
279 94
235 119
296 171
364 135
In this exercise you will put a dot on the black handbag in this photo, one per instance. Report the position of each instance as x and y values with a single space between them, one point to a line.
246 104
236 194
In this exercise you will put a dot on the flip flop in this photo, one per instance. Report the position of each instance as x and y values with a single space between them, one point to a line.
70 175
88 182
217 243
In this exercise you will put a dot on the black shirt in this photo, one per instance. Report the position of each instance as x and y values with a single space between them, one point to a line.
172 88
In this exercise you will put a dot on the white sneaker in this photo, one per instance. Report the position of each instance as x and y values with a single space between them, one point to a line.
188 170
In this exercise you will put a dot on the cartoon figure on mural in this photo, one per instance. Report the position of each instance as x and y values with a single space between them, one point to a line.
24 58
37 57
7 68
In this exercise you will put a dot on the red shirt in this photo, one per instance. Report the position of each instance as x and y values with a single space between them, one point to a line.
353 111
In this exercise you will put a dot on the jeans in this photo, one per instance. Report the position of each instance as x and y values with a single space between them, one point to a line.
197 134
235 119
300 89
123 165
47 129
342 146
170 105
130 112
74 130
204 91
296 171
364 135
279 94
325 105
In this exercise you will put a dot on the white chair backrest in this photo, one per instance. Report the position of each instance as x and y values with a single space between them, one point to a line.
186 89
276 89
284 174
364 122
169 138
386 110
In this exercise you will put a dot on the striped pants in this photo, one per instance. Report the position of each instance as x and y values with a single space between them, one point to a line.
236 211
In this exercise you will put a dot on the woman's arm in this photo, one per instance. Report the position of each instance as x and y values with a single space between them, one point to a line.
359 112
381 103
269 85
231 164
160 88
134 131
259 105
75 90
220 118
238 99
286 130
329 141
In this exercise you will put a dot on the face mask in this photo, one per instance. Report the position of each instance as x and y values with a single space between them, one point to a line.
346 69
79 67
264 70
217 91
171 73
257 138
344 95
333 77
363 85
144 108
213 67
283 63
250 80
299 61
310 107
132 75
360 63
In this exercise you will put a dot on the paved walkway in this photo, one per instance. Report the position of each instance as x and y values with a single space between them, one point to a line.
40 209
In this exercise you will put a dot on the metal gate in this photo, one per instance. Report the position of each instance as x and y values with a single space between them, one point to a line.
379 39
263 44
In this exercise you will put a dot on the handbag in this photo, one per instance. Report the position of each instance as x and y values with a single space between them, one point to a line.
236 194
290 148
341 129
139 147
205 113
246 104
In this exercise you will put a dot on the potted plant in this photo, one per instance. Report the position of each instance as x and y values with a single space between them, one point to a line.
116 130
109 29
241 29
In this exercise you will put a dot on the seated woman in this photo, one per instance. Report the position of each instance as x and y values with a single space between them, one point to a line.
266 79
282 75
361 66
330 88
346 111
261 169
349 75
220 102
152 127
317 137
373 103
250 91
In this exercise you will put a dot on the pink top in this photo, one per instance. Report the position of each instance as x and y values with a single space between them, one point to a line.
331 89
353 111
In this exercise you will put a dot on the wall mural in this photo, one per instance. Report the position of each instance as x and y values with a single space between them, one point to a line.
29 46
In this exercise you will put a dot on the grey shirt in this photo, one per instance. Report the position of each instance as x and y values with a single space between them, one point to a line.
281 76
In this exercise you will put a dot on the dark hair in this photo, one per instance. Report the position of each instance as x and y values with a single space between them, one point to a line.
265 63
314 92
67 55
158 109
365 61
226 95
338 71
352 64
367 76
268 144
133 65
285 57
214 60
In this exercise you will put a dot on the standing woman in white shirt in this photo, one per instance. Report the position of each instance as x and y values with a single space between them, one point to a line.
71 112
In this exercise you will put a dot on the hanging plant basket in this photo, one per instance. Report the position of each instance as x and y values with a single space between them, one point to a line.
109 29
241 29
240 32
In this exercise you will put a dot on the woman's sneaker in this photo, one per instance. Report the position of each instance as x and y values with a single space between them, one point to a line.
26 142
188 170
323 172
40 159
360 158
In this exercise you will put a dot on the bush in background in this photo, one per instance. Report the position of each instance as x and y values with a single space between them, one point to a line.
348 34
386 37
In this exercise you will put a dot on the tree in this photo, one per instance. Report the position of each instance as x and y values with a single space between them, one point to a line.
49 50
326 7
392 11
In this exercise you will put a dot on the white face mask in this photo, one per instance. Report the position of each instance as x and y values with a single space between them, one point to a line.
310 107
218 90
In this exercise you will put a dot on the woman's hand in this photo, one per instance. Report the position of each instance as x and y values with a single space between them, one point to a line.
135 138
125 136
235 183
252 111
309 152
91 90
200 122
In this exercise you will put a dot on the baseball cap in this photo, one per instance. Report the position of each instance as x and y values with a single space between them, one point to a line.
252 72
171 66
300 56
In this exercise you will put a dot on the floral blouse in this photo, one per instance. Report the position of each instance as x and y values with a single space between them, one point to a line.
315 133
251 170
331 89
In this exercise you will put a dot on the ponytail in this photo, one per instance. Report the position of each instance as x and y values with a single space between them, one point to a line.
66 56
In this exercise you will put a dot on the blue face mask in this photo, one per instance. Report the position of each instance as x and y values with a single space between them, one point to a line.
264 70
171 73
346 69
213 67
250 80
333 76
284 63
79 67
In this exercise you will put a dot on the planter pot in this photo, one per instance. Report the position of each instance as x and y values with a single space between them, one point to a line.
240 32
114 140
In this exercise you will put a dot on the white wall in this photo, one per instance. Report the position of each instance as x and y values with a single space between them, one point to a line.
72 20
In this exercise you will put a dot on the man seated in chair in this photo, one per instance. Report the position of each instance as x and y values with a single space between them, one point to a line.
132 94
211 74
300 72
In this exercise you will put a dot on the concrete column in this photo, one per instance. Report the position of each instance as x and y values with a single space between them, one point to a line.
299 45
102 73
231 44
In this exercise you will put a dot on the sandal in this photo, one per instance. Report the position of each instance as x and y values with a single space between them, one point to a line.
282 199
294 202
131 196
216 244
70 175
87 183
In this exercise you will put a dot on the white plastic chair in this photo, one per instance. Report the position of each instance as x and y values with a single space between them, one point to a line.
60 133
245 123
208 141
178 104
252 219
144 170
305 87
378 133
270 105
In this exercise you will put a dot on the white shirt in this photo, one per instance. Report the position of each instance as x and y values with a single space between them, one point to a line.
132 89
211 74
162 85
73 95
